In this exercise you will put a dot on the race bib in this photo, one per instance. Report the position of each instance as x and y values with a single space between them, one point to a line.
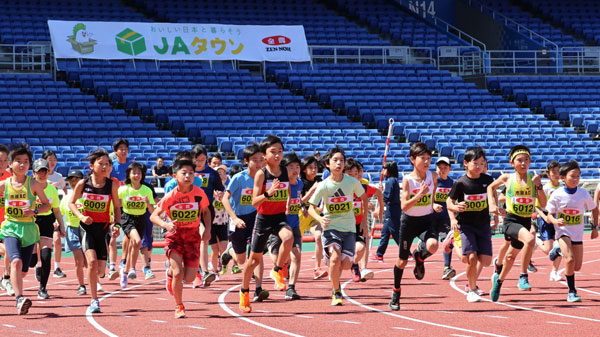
97 203
79 208
246 197
441 194
281 194
572 217
357 207
135 202
424 201
38 202
14 209
522 206
184 212
339 205
476 202
205 177
218 205
295 206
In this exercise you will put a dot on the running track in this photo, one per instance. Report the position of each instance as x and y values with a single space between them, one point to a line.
429 307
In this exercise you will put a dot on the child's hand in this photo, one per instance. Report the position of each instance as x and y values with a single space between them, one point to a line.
461 206
239 223
423 190
115 231
274 187
170 226
87 220
454 225
438 208
325 221
493 209
560 222
537 180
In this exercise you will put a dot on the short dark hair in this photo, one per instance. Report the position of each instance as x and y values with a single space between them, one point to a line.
199 149
179 164
517 148
215 155
290 158
351 163
235 169
392 169
332 151
307 161
418 149
118 143
474 153
20 149
568 166
250 150
268 142
552 164
183 154
160 157
48 153
135 165
96 154
4 149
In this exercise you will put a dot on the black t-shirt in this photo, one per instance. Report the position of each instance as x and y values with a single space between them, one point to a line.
474 193
308 184
161 170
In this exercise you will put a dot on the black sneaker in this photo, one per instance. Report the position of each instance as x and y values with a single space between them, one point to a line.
225 258
208 279
395 301
291 294
59 274
43 294
531 268
260 296
23 305
38 274
419 270
81 290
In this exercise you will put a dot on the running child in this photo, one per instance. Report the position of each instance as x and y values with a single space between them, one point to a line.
468 210
522 189
73 237
336 194
566 209
4 174
270 196
218 234
136 198
417 218
441 218
183 207
97 193
119 172
19 231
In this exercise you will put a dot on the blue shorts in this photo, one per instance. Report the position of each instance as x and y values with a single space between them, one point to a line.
476 239
241 237
547 231
345 241
73 241
15 251
148 238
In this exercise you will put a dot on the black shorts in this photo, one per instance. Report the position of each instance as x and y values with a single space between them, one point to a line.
242 236
264 226
360 236
95 237
442 227
130 222
412 227
512 226
46 225
274 241
218 232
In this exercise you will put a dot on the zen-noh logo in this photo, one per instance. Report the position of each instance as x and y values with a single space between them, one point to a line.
277 40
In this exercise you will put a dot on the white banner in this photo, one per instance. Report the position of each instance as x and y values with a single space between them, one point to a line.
177 41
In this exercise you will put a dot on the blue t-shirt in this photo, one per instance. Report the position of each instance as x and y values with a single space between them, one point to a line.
211 181
440 196
120 170
171 184
240 187
295 204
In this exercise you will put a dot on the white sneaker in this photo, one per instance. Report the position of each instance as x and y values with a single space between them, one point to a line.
8 287
99 287
555 276
473 297
538 242
366 274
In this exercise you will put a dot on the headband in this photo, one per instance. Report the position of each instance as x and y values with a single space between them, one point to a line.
518 152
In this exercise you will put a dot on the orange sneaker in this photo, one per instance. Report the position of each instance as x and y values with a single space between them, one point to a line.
285 271
197 281
279 280
245 302
320 273
180 311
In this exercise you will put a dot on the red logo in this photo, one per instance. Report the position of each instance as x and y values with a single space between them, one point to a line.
79 206
571 211
136 198
95 197
17 203
524 200
443 190
475 197
337 200
276 40
248 191
415 191
184 206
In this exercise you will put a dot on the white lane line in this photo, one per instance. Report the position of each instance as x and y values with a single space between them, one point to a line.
444 326
9 325
162 299
446 311
240 334
457 335
432 295
37 332
195 327
496 316
158 321
561 323
401 328
304 316
235 314
345 321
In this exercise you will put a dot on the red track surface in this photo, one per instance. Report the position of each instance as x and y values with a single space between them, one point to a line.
428 307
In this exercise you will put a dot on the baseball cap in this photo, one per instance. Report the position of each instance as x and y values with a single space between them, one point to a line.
75 174
444 160
39 164
221 167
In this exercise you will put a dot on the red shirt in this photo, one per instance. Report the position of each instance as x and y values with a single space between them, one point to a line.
185 209
5 175
277 203
358 207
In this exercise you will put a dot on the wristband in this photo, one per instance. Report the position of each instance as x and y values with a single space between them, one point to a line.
266 194
539 187
118 225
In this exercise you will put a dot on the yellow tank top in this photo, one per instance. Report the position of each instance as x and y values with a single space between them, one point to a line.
520 200
16 200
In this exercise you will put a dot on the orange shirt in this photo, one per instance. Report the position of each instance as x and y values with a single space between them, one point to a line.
184 209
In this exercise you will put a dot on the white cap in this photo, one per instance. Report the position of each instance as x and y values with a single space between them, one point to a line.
444 160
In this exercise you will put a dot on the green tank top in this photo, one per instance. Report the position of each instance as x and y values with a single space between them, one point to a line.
520 200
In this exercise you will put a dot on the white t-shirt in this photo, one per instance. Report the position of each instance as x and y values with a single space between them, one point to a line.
423 206
57 180
571 208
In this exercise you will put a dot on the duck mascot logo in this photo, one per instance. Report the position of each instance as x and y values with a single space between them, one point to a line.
81 40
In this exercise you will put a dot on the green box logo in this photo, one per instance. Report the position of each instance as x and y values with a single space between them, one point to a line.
130 42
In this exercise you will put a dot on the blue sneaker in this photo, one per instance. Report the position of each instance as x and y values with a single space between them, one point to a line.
148 273
94 307
555 253
524 283
573 297
495 292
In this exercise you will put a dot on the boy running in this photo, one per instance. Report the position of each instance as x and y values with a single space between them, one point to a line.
4 174
441 218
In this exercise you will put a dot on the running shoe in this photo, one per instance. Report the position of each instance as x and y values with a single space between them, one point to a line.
59 273
554 253
277 276
94 307
261 295
524 283
245 302
497 267
495 292
148 274
419 269
395 301
448 273
375 257
132 274
447 244
23 305
2 286
336 298
555 276
477 290
124 282
223 270
43 294
235 269
8 286
197 281
180 311
122 264
169 283
473 297
531 268
226 257
573 297
355 273
38 274
366 274
286 272
113 274
209 277
99 287
291 294
81 290
320 273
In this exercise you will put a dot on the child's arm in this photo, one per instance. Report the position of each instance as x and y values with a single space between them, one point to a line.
539 190
156 218
454 208
257 197
407 203
239 223
436 208
491 192
380 205
594 233
365 202
60 220
323 220
37 189
310 192
77 192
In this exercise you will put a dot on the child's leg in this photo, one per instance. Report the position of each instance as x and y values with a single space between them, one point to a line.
112 252
528 239
287 239
57 242
205 233
547 246
577 249
568 255
214 257
178 274
335 266
92 272
253 260
296 256
483 261
317 232
135 242
472 260
46 260
502 254
146 256
79 262
509 260
125 246
365 258
360 252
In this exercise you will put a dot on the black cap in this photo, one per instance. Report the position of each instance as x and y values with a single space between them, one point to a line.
75 174
40 164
